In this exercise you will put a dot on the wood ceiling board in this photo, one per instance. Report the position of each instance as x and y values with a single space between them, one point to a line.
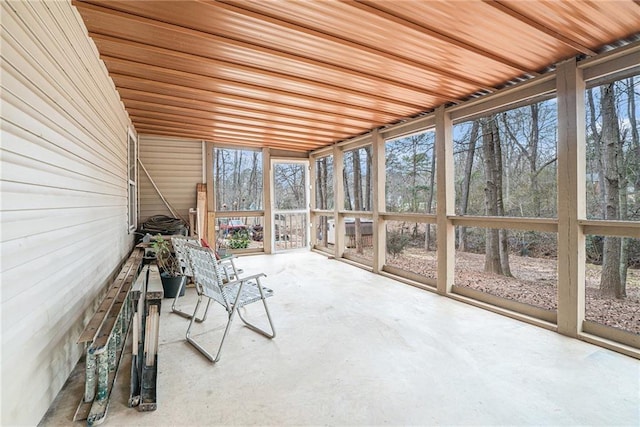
204 118
202 124
170 89
265 140
334 65
161 123
590 23
254 91
367 27
129 27
296 117
436 33
277 40
222 133
166 58
365 51
236 116
474 21
228 142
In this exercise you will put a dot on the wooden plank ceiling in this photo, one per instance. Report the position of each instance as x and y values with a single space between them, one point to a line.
301 75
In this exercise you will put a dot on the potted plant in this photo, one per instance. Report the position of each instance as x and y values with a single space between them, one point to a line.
170 270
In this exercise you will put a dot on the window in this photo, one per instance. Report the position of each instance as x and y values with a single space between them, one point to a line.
612 249
132 150
237 179
410 173
505 163
357 179
522 267
613 151
411 248
324 183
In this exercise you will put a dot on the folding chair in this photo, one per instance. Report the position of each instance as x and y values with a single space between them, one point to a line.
179 246
209 278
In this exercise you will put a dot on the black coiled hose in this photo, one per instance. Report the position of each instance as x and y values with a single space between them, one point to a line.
164 225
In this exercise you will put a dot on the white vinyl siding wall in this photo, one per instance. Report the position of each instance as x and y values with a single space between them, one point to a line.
63 198
176 166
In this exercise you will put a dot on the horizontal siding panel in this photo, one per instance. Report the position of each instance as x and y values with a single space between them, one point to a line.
45 120
36 25
61 288
56 248
24 223
39 197
18 168
52 143
63 178
175 165
29 146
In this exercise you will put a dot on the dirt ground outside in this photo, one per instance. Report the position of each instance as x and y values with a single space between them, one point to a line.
534 283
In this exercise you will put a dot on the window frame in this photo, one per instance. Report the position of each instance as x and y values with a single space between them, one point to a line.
132 181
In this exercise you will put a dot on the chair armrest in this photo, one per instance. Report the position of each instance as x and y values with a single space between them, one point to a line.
245 279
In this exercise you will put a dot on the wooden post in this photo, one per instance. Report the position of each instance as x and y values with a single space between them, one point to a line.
379 176
338 191
210 223
446 201
267 238
313 219
201 210
571 197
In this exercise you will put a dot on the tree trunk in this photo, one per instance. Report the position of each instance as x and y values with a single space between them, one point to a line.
599 155
468 168
368 177
633 158
357 198
219 184
503 234
492 246
533 159
252 196
432 178
347 196
635 138
610 284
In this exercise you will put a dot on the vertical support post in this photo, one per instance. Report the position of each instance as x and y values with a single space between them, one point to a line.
267 238
313 219
379 176
338 205
446 201
571 197
210 223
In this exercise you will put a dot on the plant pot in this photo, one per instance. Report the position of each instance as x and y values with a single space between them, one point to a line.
170 285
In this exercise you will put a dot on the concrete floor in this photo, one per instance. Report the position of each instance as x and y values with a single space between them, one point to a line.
354 348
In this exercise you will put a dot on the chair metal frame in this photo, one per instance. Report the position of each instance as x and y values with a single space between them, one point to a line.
179 246
232 295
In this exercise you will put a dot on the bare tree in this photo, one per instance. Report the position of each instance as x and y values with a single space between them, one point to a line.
610 283
598 154
357 197
368 178
496 249
322 195
468 168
